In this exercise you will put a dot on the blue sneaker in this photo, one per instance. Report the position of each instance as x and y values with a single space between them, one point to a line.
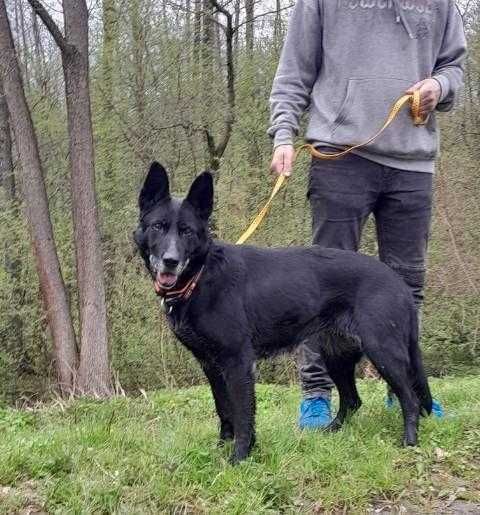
315 413
437 408
390 401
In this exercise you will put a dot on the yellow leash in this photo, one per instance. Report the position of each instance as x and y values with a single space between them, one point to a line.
413 98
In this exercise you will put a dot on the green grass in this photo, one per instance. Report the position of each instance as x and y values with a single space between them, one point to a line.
158 454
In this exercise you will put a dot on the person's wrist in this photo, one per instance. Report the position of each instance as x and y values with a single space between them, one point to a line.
443 83
283 137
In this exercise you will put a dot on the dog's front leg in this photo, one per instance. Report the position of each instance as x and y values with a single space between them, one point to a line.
223 404
241 390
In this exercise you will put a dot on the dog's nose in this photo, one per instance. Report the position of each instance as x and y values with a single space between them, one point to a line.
170 262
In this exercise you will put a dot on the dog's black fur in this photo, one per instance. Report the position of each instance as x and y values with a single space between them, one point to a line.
251 303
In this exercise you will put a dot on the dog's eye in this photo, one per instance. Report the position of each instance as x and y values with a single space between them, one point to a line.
159 226
185 231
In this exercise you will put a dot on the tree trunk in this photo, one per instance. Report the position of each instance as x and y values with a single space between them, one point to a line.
138 39
20 28
94 371
277 28
12 261
110 34
216 150
7 181
39 61
207 48
197 29
188 23
36 211
249 34
236 22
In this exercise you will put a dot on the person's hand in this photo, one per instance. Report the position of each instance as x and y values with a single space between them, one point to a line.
283 159
430 91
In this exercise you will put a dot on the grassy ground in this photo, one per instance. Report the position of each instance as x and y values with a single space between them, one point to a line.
158 454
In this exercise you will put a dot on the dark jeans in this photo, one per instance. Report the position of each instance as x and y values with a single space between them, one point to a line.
343 193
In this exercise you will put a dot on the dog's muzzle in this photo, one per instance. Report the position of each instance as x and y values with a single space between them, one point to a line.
165 277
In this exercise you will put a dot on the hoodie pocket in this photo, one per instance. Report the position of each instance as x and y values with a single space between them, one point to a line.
364 109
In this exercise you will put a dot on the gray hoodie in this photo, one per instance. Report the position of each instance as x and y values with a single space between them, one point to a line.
349 60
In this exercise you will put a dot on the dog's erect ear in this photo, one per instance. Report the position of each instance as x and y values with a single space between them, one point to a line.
155 188
200 195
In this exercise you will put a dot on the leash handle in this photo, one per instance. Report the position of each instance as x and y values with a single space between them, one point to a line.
413 98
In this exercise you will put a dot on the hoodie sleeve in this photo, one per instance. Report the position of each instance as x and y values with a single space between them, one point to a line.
297 71
448 69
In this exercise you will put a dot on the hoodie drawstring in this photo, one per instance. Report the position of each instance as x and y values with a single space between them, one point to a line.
400 17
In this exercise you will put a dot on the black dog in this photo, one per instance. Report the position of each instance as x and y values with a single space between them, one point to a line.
231 305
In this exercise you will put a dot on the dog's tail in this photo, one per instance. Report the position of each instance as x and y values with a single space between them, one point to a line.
420 382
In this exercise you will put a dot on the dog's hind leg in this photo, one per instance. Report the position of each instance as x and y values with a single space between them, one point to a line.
394 366
223 404
341 368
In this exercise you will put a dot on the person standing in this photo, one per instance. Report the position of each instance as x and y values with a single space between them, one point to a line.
346 62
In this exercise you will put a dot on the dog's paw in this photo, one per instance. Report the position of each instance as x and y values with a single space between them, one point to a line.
241 451
237 458
334 426
409 442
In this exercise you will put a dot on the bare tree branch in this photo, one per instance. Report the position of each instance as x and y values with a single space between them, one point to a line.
266 13
48 21
217 151
221 9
